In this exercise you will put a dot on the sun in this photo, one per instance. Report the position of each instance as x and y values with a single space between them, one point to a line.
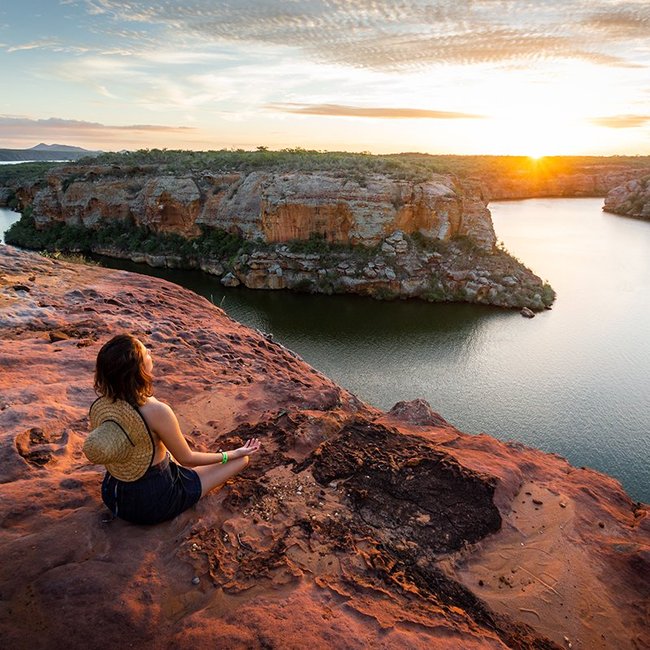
541 120
542 135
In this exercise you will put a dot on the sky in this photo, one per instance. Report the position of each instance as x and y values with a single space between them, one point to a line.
545 77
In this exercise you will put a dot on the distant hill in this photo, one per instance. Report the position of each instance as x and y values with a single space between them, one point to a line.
56 147
44 152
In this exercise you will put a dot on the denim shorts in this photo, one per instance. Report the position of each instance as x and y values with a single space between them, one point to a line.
165 490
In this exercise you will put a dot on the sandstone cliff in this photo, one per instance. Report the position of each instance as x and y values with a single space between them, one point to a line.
354 529
380 236
489 177
266 206
382 217
504 177
631 199
594 182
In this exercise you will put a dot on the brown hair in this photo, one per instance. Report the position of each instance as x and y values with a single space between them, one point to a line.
120 373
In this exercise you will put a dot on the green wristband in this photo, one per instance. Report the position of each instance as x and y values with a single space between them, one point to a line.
224 457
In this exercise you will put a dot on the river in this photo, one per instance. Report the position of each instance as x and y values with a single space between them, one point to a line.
573 380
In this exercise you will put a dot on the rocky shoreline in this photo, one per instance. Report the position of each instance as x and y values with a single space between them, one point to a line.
399 270
632 199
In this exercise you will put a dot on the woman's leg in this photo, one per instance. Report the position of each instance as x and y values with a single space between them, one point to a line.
213 475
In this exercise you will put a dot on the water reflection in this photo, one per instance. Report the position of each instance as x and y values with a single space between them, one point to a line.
333 319
7 217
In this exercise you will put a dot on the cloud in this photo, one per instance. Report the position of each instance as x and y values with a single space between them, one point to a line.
32 45
337 110
621 121
621 22
383 34
58 123
24 131
19 132
44 44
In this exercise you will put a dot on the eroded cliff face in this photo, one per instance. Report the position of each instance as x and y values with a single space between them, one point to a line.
631 199
374 220
593 181
266 206
353 528
101 195
399 269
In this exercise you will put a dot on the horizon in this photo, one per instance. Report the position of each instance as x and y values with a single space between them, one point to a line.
533 159
43 146
440 78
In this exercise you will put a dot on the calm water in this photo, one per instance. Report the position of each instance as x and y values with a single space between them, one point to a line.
573 380
7 217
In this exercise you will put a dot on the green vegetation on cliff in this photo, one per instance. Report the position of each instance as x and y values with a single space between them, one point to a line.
124 237
357 166
406 166
24 172
454 270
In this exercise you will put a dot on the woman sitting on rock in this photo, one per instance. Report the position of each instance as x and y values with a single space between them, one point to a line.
132 432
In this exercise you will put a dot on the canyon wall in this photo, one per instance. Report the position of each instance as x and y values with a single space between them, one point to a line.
376 236
265 206
371 210
585 184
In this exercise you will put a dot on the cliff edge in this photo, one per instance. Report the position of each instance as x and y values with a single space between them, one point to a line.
355 528
311 231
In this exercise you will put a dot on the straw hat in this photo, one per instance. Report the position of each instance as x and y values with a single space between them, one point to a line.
120 439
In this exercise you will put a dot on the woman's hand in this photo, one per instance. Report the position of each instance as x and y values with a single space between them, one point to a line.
250 447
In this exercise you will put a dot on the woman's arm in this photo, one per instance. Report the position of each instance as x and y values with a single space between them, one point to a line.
162 419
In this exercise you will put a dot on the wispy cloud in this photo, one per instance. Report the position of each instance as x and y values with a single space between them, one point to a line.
337 110
383 34
44 44
32 45
621 22
11 122
20 131
11 126
621 121
241 72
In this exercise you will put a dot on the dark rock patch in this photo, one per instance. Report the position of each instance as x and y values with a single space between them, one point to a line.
37 446
406 490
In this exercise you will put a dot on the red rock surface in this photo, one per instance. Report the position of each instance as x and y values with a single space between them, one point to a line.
354 528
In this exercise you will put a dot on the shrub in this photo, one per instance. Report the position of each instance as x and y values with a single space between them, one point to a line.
428 244
305 285
218 243
315 244
384 293
74 258
435 291
25 173
548 294
126 236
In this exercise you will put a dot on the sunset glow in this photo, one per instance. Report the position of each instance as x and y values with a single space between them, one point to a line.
484 77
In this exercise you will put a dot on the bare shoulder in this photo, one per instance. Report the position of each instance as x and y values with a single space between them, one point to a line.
156 411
